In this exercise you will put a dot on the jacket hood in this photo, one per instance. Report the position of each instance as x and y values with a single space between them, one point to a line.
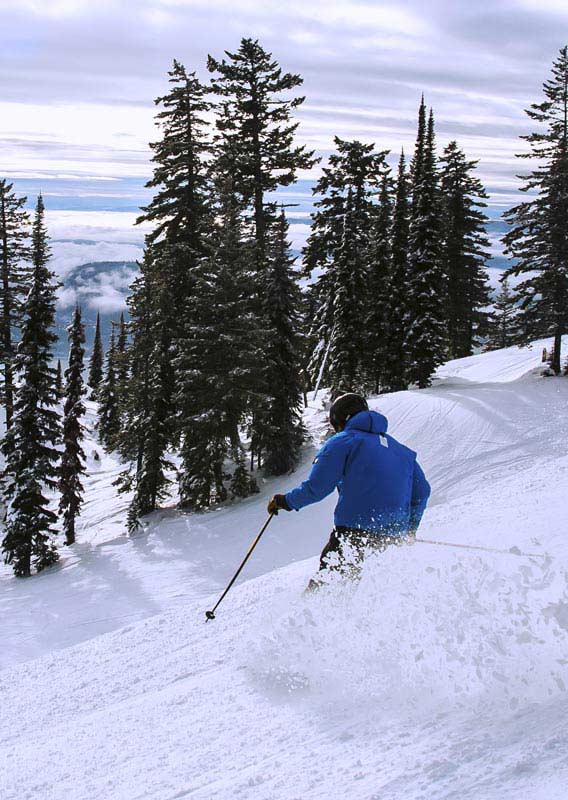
368 422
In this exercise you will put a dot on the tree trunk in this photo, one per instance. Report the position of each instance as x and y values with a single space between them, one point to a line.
556 354
70 532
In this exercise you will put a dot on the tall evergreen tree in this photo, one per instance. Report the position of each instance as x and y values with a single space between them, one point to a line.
181 219
379 297
465 245
502 324
538 236
218 361
73 457
418 162
150 426
122 364
425 320
59 381
282 356
179 207
147 425
345 369
151 481
256 126
96 362
108 422
256 136
122 346
395 351
345 209
309 336
30 444
14 282
180 213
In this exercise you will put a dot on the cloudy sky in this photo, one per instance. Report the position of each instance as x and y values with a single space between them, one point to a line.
78 79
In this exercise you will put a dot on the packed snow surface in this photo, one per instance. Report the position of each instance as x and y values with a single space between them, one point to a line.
442 674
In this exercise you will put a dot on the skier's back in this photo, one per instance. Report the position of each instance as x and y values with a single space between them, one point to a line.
383 491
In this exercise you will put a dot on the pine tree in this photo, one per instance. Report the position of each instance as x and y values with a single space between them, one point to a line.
346 351
73 457
425 320
282 350
379 297
417 164
308 336
342 227
151 480
165 311
122 364
108 423
464 250
180 213
243 483
30 444
538 236
256 144
122 347
218 365
96 362
59 381
395 351
147 425
14 282
502 324
180 208
256 127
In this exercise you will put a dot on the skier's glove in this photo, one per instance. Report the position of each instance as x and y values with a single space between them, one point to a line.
277 503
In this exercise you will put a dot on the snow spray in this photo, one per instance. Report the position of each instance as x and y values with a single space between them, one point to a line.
438 633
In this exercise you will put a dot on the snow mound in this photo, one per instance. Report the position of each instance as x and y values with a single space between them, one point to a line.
497 366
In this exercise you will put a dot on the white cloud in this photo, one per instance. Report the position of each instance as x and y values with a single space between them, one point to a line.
546 6
68 255
79 78
107 299
101 226
52 8
377 16
298 234
66 296
102 291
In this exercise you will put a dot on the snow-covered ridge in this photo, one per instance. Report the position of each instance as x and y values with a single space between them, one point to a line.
442 675
498 366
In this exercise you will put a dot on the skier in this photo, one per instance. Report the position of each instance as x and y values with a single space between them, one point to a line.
383 491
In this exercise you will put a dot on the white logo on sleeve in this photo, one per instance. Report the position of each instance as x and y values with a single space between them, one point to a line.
383 440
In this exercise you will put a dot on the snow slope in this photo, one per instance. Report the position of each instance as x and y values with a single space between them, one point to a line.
441 675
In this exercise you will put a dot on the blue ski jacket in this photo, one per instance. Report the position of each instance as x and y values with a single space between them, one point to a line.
381 486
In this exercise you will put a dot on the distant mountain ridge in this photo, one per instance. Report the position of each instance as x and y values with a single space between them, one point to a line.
98 286
103 286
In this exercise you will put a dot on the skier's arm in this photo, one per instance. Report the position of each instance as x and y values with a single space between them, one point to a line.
326 472
420 495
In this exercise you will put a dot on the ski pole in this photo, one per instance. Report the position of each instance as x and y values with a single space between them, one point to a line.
514 551
211 614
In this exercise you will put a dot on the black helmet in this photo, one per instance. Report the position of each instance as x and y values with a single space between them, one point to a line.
345 407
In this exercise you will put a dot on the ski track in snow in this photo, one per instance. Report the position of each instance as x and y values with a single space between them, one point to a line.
441 676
